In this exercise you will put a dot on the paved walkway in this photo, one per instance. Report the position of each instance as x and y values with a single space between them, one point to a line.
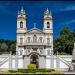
69 72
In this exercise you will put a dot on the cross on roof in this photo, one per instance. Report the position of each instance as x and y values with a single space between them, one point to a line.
34 25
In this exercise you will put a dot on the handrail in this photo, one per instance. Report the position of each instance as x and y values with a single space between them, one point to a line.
2 62
66 62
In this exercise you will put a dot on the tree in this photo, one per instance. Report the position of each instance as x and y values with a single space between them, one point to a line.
4 47
64 42
64 31
13 48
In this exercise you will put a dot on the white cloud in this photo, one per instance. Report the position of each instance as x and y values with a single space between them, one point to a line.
68 22
68 8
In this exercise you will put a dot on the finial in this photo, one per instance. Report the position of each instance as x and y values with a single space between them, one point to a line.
47 12
34 25
47 9
21 8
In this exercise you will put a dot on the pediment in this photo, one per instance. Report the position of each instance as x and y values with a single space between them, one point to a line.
35 30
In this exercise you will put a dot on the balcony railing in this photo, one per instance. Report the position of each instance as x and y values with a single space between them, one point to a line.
32 43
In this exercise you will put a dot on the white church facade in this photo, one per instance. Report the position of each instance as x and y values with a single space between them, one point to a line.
35 46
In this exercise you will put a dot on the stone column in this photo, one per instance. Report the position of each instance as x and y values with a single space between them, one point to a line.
10 60
26 62
52 61
42 62
16 60
57 62
23 61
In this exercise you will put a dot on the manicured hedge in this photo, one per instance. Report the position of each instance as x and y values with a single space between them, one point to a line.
34 70
12 71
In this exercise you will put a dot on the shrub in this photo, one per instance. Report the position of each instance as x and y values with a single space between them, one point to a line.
56 72
31 66
23 70
12 71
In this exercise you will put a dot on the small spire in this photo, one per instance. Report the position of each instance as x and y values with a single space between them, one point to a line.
47 12
21 9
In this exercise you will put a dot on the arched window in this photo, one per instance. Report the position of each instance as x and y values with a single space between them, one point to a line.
21 24
21 41
34 38
48 25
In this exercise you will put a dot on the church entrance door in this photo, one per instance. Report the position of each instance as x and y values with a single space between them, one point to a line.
34 60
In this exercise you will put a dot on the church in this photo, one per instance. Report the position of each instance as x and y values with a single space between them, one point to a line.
35 44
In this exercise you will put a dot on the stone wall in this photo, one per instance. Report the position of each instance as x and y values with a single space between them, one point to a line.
44 62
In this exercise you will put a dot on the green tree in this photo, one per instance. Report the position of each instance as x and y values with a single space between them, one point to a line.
13 48
64 42
4 47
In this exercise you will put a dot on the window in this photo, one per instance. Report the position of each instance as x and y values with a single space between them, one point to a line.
34 39
21 24
28 39
48 52
40 39
21 40
48 40
48 25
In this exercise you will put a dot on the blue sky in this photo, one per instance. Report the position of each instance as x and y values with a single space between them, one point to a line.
63 13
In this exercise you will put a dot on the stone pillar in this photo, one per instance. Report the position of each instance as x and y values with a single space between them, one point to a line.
23 61
42 62
10 60
52 61
16 60
26 62
57 62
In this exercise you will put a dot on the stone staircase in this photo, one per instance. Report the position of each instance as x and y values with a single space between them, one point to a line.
69 64
4 61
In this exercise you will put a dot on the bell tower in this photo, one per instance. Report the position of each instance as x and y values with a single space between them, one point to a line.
47 21
21 21
21 30
48 30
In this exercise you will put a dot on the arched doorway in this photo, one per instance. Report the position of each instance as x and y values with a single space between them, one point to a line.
34 60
